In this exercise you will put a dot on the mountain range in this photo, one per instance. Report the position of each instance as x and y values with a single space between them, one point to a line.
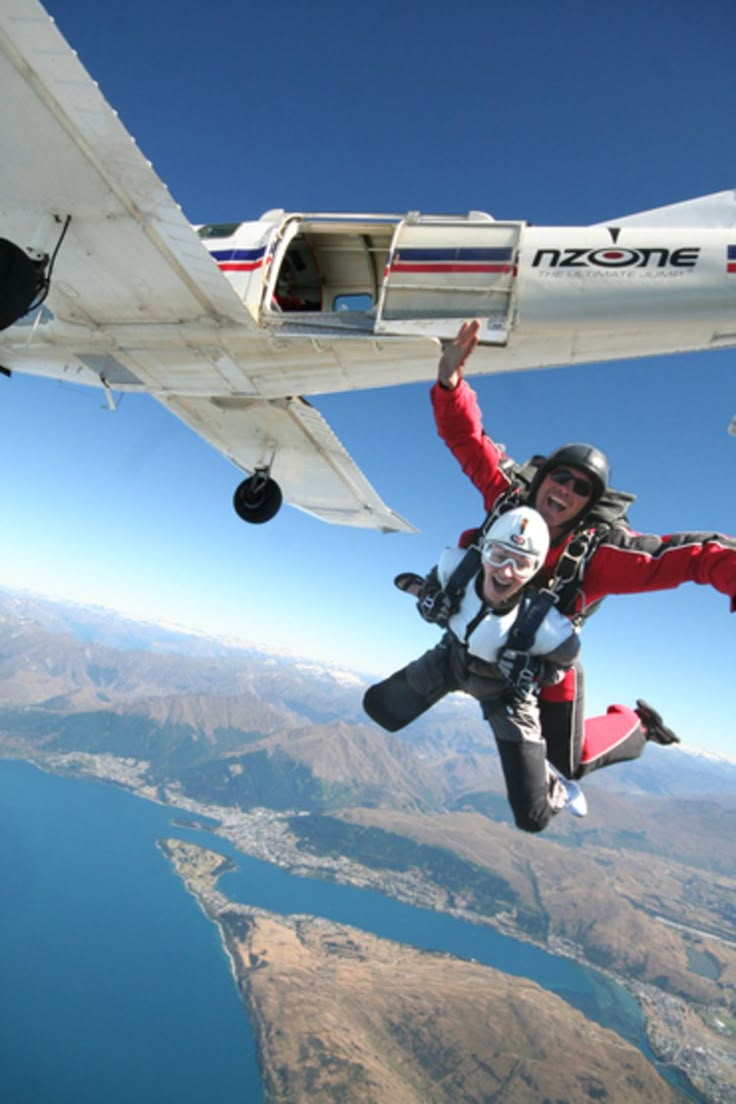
84 678
644 885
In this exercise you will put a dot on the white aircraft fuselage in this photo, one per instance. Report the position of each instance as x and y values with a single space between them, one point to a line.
104 282
330 290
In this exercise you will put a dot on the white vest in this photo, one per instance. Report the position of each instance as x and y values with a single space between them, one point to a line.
493 630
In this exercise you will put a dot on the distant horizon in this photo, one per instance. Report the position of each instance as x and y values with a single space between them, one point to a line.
329 666
551 114
234 642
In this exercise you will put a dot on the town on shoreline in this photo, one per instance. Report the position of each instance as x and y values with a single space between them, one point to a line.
264 834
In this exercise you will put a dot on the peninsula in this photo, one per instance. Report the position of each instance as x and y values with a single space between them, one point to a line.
342 1015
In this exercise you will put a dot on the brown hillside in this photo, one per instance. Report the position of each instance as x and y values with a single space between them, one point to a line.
343 1015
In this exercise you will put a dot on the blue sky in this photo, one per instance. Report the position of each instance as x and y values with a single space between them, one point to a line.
557 113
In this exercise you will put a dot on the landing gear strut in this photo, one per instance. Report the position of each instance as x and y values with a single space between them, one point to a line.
258 498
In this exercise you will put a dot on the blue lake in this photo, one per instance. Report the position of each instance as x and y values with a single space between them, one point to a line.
114 984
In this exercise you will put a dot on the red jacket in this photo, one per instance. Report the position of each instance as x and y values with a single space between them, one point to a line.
625 562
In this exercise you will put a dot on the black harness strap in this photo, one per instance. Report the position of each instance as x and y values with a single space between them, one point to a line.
564 586
570 568
524 629
466 570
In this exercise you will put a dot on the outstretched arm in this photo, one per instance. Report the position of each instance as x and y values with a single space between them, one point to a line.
455 353
632 563
458 418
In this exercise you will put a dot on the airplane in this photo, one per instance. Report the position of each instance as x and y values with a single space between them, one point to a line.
104 282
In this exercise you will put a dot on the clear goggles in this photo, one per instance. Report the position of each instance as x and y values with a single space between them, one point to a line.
500 555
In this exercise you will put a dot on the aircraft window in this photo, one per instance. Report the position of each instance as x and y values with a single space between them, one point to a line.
353 303
218 230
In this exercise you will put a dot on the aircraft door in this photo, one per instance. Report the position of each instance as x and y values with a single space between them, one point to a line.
293 282
441 270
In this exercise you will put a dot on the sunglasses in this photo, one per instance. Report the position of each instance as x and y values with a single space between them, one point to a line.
498 555
563 477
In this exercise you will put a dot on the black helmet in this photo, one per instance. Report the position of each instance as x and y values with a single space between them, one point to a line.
586 458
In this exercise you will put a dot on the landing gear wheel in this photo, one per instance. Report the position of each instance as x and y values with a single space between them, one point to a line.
20 283
257 499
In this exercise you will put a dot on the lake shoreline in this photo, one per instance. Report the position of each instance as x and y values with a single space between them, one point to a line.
263 834
199 869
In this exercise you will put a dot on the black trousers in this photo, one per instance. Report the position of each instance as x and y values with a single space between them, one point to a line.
527 733
576 746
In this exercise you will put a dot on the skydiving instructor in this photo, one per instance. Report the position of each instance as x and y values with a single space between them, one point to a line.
593 551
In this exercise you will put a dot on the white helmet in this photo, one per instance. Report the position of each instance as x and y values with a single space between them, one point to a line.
524 533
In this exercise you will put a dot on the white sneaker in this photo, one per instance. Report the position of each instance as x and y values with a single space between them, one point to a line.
568 794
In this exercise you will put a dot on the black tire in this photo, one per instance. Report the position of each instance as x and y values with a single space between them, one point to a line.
19 283
257 499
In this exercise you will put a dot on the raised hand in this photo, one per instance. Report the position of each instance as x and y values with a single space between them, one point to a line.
455 353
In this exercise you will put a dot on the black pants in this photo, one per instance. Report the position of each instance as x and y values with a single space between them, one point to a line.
405 695
576 746
527 733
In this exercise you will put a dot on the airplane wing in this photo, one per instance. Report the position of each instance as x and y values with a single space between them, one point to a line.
129 259
130 255
320 475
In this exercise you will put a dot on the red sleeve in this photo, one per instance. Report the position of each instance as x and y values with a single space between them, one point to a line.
632 563
459 424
